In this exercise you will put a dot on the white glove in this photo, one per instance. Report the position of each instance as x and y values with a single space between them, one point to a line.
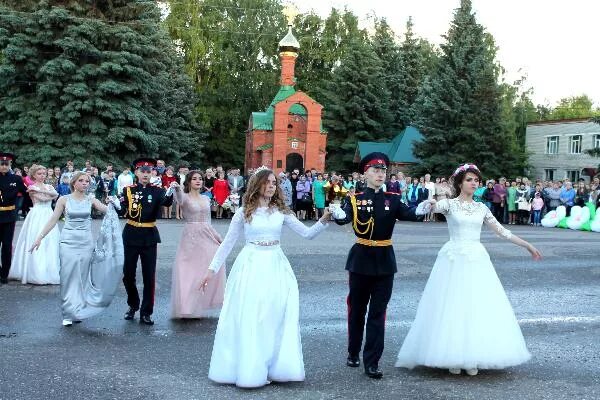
115 202
423 208
169 192
337 211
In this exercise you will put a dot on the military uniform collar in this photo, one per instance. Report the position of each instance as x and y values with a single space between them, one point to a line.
372 191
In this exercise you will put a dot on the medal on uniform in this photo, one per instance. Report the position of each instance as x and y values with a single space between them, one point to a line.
134 206
364 202
387 205
149 198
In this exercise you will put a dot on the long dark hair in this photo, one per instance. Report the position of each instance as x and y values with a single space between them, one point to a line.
460 177
188 181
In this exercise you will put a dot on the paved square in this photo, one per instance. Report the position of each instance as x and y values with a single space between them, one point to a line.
557 302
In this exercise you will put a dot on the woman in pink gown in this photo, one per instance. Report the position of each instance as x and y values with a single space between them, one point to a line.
198 244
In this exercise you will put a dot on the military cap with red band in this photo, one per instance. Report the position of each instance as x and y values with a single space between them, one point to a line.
7 157
144 163
375 160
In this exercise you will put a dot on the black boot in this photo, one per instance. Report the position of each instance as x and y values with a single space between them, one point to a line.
353 361
373 372
130 314
145 319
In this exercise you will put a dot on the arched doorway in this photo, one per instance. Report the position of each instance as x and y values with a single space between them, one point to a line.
294 161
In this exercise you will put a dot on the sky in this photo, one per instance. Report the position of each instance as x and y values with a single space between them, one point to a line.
552 42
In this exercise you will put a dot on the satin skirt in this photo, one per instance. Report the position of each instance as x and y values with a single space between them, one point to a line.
90 272
258 334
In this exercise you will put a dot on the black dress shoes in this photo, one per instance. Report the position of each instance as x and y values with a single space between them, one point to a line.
4 280
130 314
373 372
145 319
353 361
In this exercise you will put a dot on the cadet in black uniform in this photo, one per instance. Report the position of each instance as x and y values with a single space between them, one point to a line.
371 261
141 205
10 185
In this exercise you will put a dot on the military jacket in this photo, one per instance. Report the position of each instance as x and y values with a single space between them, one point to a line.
142 205
10 185
376 215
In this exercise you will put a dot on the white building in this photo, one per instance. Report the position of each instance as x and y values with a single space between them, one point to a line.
557 149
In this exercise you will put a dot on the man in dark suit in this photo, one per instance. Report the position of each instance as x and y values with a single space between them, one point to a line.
10 186
141 205
371 261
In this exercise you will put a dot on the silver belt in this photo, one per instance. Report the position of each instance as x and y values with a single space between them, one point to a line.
266 242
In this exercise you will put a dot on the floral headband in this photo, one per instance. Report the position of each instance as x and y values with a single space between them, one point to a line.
465 167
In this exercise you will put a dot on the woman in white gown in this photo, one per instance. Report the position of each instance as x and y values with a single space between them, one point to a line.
464 319
42 267
258 336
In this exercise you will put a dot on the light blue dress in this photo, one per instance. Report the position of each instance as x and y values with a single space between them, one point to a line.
89 275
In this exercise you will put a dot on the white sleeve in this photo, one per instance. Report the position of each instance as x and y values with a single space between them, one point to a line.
235 228
308 233
442 207
493 223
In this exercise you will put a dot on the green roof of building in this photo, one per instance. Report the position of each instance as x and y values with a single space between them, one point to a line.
264 120
399 150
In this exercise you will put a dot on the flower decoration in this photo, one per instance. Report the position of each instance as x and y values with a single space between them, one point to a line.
465 167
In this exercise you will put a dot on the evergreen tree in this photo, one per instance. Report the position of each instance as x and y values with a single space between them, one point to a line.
231 54
394 74
417 59
92 80
460 107
356 100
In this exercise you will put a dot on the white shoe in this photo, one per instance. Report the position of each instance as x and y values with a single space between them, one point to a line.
472 371
67 322
454 371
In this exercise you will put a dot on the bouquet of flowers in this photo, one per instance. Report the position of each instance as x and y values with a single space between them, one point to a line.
232 203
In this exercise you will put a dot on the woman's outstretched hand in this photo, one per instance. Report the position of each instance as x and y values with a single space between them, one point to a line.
535 253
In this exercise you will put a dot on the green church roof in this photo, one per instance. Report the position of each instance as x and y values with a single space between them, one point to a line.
399 150
264 120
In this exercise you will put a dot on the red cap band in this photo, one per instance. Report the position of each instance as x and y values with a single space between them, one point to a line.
376 161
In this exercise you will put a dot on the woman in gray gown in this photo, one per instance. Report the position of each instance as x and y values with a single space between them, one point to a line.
89 275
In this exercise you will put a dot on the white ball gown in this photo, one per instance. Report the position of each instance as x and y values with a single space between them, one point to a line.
258 334
42 266
464 319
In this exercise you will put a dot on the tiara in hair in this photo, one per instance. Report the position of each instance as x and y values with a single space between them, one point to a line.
465 167
261 168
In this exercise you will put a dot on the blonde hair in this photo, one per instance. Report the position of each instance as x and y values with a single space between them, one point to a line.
75 177
34 169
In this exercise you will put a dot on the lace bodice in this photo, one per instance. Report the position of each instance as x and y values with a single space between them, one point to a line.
265 226
194 210
42 194
465 219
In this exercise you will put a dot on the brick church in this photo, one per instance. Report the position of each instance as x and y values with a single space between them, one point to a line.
288 134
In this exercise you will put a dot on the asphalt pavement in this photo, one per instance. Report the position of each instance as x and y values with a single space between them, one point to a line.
556 300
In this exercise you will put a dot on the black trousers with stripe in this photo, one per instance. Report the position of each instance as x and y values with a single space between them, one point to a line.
7 232
147 255
373 292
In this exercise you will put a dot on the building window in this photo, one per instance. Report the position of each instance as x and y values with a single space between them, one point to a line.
279 164
294 145
552 145
549 174
573 175
596 141
575 144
